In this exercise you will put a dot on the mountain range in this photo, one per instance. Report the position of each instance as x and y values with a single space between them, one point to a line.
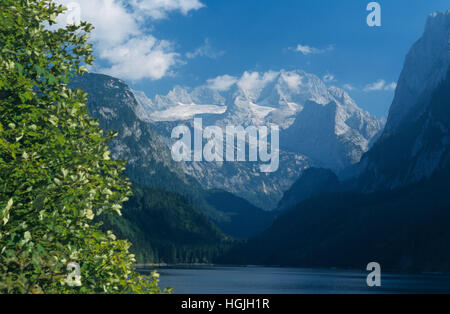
348 190
175 200
320 127
395 208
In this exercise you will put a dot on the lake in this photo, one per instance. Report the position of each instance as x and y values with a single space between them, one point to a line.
271 280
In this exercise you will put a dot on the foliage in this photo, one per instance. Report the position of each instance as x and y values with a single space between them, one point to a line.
164 227
56 175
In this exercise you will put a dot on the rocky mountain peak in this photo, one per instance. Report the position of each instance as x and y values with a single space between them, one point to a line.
425 67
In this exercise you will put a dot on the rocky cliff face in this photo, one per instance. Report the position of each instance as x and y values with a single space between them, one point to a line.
425 66
416 140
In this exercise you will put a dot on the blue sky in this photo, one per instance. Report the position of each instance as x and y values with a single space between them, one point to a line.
197 40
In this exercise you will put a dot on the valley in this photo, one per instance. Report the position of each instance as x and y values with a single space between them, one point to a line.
357 196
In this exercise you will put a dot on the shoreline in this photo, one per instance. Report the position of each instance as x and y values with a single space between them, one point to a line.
205 265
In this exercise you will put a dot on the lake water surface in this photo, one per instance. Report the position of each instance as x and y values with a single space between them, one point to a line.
271 280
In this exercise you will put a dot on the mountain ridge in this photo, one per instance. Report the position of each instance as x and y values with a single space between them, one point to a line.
424 67
395 211
307 111
402 142
149 161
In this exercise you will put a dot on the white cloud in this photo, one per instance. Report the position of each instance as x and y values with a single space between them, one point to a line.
122 37
293 80
253 80
113 23
328 78
306 50
380 85
139 58
205 51
158 9
391 86
348 87
222 83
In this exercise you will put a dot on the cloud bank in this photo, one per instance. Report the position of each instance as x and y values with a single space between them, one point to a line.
122 36
222 83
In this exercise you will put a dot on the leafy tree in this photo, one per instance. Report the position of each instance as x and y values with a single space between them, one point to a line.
56 174
165 228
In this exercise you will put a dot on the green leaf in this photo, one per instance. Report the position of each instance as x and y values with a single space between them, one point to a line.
5 211
27 236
